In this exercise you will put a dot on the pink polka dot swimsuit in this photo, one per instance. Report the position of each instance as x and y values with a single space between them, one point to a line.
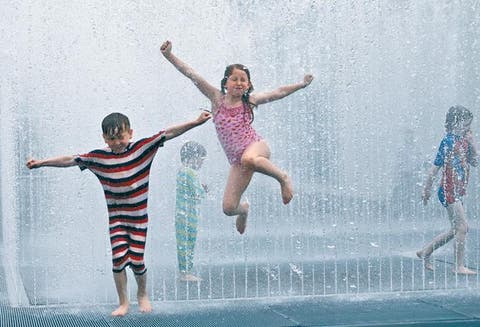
234 130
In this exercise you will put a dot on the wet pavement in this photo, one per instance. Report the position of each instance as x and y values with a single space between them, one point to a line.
378 290
449 308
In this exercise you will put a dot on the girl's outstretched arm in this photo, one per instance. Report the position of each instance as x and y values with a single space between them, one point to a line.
281 92
206 88
63 161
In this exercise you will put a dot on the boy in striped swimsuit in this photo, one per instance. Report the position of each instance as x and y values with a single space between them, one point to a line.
123 169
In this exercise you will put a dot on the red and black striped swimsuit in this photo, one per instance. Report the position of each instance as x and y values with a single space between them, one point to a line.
124 178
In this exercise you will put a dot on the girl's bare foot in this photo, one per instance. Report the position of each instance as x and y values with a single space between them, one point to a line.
144 304
121 311
241 221
427 263
464 271
190 278
287 189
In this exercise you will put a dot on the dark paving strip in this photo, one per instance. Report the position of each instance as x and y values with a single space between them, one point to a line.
443 309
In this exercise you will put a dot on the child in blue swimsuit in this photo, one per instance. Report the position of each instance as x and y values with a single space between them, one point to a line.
456 153
189 193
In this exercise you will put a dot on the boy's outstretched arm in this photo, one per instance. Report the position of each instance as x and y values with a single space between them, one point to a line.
179 129
282 91
206 88
428 183
62 161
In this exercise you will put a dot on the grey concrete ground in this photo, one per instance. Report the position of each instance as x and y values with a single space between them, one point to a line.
429 307
452 308
389 290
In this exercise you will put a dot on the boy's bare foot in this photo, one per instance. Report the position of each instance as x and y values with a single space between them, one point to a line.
427 263
121 311
241 221
464 271
144 304
287 189
190 278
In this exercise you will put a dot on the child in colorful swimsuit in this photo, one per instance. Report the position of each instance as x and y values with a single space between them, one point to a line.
247 152
456 153
123 169
189 194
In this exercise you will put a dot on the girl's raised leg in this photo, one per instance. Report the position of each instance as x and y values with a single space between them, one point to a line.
257 158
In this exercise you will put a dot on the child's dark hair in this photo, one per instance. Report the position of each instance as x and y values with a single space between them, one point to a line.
114 123
455 115
192 150
246 96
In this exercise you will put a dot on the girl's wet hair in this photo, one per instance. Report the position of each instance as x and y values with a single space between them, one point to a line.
455 115
115 123
192 150
246 96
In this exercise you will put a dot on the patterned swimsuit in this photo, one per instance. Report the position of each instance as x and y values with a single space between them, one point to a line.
187 212
234 130
124 178
455 157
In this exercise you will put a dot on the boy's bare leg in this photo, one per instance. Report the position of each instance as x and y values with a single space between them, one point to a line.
464 271
457 217
437 242
458 229
187 277
121 285
427 261
257 157
142 296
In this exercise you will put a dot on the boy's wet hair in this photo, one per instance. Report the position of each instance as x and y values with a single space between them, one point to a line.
246 96
192 150
115 123
455 115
